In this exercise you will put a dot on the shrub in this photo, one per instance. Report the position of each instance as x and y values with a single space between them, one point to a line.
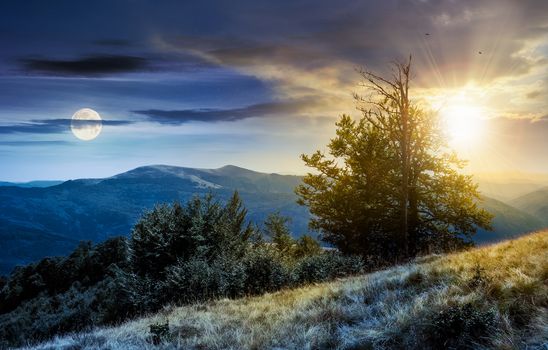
202 228
307 246
322 267
479 279
190 281
229 276
459 326
159 332
264 271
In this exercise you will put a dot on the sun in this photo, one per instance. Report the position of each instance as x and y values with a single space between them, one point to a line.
463 124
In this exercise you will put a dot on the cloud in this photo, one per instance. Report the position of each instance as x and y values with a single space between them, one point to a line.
543 118
231 114
34 143
50 126
315 48
533 94
87 66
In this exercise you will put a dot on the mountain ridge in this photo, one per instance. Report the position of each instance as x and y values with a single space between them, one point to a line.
98 208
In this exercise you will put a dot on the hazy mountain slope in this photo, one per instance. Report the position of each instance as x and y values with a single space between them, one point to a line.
534 203
507 191
20 245
508 222
508 186
94 209
492 297
39 183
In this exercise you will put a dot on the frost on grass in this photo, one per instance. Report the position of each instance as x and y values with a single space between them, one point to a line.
492 297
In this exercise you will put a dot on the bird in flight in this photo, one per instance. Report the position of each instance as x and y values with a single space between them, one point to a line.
479 52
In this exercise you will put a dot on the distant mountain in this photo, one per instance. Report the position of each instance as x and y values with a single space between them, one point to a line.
508 186
44 183
534 203
509 222
43 221
508 190
37 222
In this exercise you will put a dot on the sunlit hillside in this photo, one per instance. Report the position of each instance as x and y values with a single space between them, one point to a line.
490 297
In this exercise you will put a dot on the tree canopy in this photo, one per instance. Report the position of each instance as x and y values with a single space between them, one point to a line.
390 186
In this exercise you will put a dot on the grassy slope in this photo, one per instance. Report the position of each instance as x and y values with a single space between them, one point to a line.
394 308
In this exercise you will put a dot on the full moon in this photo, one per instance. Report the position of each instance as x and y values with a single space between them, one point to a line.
86 124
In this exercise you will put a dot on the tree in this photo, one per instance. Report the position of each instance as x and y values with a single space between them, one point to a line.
202 228
275 226
307 246
390 186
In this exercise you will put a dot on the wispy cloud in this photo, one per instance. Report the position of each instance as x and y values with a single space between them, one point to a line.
50 126
35 143
230 114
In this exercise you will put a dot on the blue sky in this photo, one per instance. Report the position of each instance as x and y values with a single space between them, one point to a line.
254 83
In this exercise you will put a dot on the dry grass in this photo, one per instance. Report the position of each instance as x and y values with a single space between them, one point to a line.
503 287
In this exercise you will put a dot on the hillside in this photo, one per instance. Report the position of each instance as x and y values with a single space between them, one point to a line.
37 222
39 183
534 203
491 297
509 222
96 209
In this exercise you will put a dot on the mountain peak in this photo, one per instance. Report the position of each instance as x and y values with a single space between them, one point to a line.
233 170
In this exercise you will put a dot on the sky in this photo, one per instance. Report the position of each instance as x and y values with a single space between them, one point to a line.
257 83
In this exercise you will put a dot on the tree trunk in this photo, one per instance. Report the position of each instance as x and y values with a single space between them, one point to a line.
403 83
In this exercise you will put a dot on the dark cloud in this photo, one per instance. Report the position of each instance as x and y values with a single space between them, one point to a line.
51 126
315 37
88 66
230 114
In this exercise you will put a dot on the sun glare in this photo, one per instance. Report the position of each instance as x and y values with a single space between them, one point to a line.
463 112
464 124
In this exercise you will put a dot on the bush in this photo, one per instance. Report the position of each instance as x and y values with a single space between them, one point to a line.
159 332
326 266
459 326
306 246
264 271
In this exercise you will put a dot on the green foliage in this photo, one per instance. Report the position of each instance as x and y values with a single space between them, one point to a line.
389 186
176 254
202 228
459 327
265 270
326 266
86 265
275 227
306 246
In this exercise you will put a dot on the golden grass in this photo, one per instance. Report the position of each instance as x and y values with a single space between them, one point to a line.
394 308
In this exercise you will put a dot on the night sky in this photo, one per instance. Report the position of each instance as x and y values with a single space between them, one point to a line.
256 83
